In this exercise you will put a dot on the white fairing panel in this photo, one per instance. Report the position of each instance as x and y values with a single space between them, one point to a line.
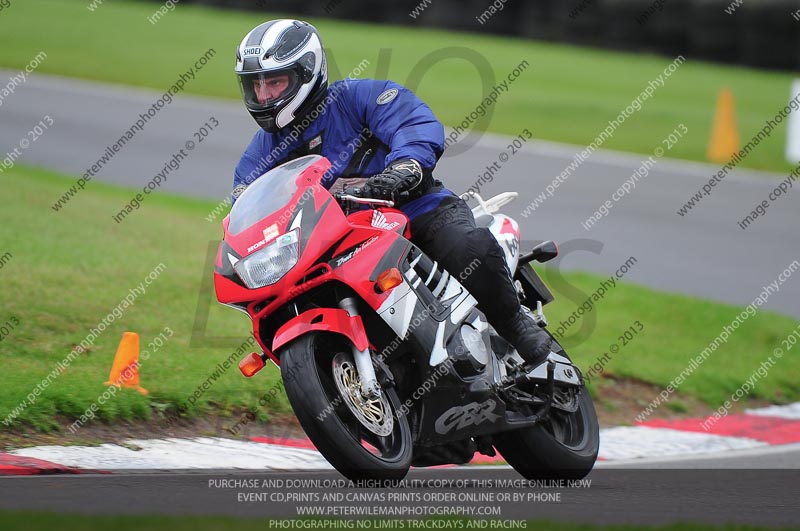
506 232
404 312
398 309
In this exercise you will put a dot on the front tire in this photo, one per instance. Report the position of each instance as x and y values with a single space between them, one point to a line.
309 367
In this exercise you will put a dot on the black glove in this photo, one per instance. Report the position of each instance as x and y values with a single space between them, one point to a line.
401 180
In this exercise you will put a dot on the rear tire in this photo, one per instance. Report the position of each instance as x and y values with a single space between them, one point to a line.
563 446
347 444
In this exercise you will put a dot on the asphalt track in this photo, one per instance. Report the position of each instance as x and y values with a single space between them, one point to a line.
703 254
677 491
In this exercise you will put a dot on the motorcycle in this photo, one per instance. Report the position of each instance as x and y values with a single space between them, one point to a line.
385 358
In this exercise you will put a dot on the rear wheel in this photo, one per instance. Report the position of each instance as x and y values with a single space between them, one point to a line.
362 438
564 445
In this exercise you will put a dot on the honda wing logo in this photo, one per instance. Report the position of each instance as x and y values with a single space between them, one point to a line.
461 417
379 221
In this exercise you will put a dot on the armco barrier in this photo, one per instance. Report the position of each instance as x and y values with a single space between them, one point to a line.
712 36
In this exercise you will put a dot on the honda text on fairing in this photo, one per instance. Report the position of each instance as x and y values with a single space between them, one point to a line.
385 357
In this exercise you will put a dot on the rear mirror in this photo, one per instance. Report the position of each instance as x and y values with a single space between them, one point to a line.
544 252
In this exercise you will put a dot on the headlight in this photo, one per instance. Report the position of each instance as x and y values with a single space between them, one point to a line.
271 263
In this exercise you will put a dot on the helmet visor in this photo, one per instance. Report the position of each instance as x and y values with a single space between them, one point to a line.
264 89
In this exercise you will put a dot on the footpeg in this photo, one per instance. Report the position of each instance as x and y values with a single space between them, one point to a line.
538 317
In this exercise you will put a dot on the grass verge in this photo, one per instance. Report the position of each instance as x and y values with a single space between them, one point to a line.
567 94
70 269
672 330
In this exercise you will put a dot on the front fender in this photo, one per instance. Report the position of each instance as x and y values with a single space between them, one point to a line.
323 320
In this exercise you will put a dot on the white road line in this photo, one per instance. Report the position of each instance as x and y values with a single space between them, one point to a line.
638 444
640 441
201 453
697 459
791 411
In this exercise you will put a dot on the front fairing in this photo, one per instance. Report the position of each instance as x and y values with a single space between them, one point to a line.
333 247
286 198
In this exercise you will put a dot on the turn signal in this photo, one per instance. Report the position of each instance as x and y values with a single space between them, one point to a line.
389 279
251 364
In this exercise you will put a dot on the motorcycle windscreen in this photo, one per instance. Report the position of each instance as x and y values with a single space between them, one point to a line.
268 194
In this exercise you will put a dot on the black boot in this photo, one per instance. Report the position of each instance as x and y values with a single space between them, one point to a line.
531 341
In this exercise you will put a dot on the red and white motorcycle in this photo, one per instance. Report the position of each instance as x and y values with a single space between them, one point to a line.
385 357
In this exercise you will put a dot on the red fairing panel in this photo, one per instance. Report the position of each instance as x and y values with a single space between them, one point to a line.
385 218
324 320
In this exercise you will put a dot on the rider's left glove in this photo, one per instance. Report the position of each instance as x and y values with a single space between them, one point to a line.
400 182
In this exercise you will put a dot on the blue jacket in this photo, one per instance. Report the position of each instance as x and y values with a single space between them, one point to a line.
363 126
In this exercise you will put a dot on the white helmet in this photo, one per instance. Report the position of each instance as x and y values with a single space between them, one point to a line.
282 72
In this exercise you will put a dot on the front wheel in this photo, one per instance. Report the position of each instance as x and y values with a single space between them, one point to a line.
361 438
562 446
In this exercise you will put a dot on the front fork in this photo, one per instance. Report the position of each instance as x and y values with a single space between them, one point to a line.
366 372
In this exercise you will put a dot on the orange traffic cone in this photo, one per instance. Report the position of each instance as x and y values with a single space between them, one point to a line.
125 369
724 142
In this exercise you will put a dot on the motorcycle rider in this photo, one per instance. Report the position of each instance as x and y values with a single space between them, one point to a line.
380 131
